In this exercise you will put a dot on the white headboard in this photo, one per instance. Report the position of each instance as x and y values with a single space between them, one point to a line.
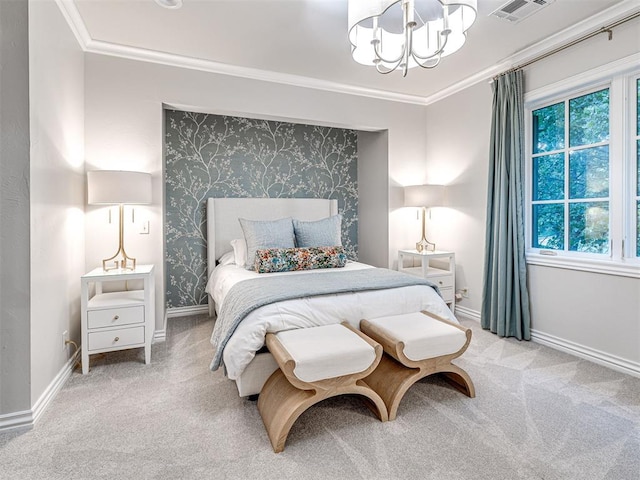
223 214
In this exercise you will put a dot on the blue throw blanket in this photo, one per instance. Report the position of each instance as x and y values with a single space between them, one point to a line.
248 295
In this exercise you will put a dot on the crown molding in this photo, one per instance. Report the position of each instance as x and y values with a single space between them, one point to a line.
77 26
547 45
173 60
74 20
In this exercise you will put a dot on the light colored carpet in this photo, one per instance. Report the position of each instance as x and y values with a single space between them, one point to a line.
538 414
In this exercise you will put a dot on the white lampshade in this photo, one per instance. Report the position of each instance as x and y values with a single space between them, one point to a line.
424 196
110 187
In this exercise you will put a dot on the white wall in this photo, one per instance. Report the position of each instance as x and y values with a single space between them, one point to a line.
14 211
373 198
596 315
458 130
56 90
123 129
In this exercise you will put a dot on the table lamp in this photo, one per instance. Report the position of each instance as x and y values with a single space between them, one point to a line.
115 187
424 196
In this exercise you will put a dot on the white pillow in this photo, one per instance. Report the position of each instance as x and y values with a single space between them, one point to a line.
227 259
239 251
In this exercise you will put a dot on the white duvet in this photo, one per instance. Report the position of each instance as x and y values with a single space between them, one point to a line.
250 335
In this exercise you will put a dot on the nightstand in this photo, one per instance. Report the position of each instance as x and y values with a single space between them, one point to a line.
437 266
117 320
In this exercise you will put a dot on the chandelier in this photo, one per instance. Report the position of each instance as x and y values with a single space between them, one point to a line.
403 34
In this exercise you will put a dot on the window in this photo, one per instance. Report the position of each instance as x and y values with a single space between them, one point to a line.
583 179
570 174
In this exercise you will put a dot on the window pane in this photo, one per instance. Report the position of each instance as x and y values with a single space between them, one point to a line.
548 128
548 177
589 118
589 227
638 166
589 173
548 226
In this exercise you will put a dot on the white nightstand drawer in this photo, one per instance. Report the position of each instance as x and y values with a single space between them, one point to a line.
442 281
116 338
447 294
115 316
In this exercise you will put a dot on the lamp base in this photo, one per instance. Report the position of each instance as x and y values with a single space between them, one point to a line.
425 246
127 262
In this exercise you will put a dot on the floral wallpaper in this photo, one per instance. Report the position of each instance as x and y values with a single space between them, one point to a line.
224 156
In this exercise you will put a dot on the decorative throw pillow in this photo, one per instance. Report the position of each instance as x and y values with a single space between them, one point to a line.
322 233
266 234
271 260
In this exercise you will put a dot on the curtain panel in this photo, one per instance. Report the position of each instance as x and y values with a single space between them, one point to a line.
505 297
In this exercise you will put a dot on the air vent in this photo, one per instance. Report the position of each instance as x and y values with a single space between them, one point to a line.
517 10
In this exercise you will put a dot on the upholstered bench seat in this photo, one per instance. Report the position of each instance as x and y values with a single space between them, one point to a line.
416 345
315 364
422 336
326 352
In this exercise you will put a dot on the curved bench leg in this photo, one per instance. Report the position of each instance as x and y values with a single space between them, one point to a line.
280 404
460 379
391 380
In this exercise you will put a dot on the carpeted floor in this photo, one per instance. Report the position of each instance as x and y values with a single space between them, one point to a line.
538 414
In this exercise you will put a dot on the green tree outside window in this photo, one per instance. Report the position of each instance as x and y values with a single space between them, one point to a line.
564 178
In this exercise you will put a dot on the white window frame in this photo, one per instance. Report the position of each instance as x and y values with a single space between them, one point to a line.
619 77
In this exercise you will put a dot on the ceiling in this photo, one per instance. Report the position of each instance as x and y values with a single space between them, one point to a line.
305 41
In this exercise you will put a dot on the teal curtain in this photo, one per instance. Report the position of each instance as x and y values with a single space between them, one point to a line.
505 297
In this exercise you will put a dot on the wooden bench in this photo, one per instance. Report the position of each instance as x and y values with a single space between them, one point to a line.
315 364
416 345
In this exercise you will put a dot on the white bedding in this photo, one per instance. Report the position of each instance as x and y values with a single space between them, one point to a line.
312 311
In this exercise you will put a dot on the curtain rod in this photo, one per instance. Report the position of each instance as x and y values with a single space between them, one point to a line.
606 29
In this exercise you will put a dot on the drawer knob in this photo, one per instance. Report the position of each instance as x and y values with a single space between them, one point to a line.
440 282
116 339
116 317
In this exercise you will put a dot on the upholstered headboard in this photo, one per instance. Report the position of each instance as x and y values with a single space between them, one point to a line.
223 214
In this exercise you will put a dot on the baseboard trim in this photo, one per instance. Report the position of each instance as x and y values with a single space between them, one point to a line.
602 358
26 419
160 335
468 313
185 311
16 420
54 387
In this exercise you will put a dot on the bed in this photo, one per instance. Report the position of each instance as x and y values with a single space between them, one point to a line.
241 353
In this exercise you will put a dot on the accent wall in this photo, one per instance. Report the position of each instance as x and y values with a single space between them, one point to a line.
226 156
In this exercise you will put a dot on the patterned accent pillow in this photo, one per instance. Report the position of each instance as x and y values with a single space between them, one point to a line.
271 260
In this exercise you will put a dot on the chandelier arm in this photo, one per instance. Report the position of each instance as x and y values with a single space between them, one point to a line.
382 59
428 67
380 70
437 53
